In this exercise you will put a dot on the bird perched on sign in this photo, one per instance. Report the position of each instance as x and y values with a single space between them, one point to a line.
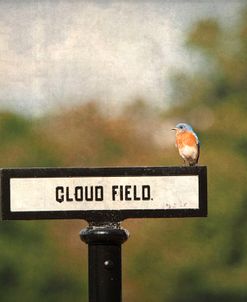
187 143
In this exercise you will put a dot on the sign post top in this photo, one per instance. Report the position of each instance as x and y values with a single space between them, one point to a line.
109 194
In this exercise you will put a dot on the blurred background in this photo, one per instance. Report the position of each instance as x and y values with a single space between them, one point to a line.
101 83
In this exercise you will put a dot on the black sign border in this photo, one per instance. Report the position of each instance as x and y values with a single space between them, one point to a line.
102 215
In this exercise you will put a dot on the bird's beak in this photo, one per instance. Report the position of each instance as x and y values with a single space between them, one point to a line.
173 129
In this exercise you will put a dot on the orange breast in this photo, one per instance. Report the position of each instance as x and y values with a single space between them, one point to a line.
185 139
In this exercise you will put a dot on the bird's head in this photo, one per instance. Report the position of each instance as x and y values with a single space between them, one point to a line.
181 127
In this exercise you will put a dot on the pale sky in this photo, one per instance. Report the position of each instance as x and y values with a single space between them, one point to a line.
56 53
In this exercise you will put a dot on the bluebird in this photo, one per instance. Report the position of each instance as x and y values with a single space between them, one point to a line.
187 143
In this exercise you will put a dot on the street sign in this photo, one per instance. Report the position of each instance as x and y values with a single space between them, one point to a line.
104 197
103 194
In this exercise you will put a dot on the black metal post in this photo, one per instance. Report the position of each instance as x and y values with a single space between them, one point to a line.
104 261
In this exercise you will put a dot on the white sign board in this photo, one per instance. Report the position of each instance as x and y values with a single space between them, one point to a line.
103 193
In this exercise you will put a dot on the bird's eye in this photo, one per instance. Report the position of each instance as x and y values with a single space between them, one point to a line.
181 126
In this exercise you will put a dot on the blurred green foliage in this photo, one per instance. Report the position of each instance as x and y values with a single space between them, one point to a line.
23 144
173 260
